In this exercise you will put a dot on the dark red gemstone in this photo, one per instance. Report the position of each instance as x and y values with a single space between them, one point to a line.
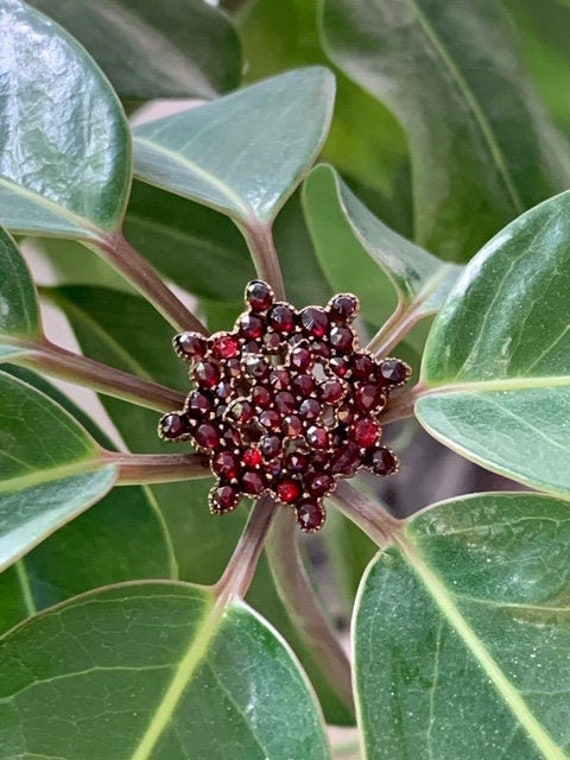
233 367
226 465
256 366
259 296
365 433
225 346
198 405
207 374
318 437
319 483
341 338
363 366
173 426
223 498
310 409
273 469
252 457
279 380
288 491
345 460
281 318
190 345
252 347
296 462
301 358
251 327
339 365
241 412
270 446
320 459
285 402
321 349
221 410
343 307
394 371
270 419
310 516
292 426
272 341
331 391
303 385
207 436
253 482
223 390
315 321
345 414
369 397
261 397
383 462
232 437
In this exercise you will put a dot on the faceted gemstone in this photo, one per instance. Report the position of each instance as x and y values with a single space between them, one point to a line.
226 465
279 379
320 459
292 426
256 366
253 482
250 326
270 446
220 412
321 349
301 358
288 491
383 462
252 457
223 390
240 412
272 341
315 321
173 425
296 462
282 318
252 347
258 295
207 374
310 409
362 367
339 365
261 397
225 346
224 498
303 385
345 414
310 516
394 371
270 419
285 402
345 460
318 437
233 367
331 391
319 483
198 405
231 437
368 397
341 338
190 345
365 432
207 436
343 307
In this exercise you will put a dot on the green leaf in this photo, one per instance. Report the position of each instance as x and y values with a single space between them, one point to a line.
154 671
171 50
245 153
463 630
19 313
64 143
496 361
49 469
482 147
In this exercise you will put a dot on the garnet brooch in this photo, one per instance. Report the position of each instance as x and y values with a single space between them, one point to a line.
286 403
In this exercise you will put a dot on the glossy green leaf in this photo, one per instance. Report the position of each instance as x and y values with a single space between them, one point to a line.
496 361
245 153
64 144
150 50
154 671
462 634
482 148
49 469
19 314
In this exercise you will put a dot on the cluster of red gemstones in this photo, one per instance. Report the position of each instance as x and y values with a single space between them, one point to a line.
286 403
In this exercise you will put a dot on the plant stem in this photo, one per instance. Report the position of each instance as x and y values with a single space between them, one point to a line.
66 365
401 406
298 596
138 469
368 515
394 329
259 238
239 572
136 269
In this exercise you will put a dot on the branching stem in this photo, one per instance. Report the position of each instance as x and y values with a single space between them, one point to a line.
138 469
394 329
367 514
259 238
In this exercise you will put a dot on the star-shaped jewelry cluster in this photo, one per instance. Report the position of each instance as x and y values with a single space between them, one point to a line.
287 403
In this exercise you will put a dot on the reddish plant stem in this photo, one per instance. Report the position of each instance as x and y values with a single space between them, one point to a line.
139 469
66 365
136 269
402 406
298 596
371 517
259 238
394 330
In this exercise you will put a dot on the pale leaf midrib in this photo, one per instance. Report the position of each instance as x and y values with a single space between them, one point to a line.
506 384
50 475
